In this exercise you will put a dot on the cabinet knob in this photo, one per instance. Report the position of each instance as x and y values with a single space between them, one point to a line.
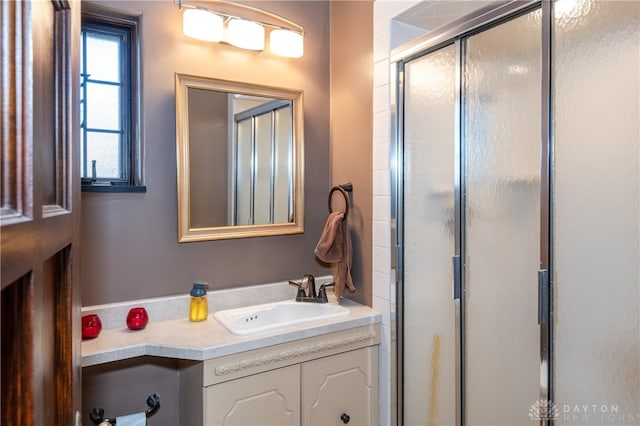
345 418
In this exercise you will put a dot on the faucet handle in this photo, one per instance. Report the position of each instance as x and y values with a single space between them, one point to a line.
300 295
322 292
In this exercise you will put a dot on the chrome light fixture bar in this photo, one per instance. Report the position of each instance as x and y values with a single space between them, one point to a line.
286 38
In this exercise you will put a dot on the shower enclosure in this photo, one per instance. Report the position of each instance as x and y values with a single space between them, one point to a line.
517 217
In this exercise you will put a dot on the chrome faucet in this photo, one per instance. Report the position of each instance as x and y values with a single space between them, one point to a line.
307 290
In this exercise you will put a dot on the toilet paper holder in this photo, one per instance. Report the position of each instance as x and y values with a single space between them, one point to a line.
97 414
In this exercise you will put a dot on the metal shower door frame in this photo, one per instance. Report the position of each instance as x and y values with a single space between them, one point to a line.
457 32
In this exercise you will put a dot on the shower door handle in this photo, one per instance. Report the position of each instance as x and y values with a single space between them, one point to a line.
543 297
457 277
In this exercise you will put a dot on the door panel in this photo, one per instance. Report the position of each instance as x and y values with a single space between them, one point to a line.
265 399
596 212
17 354
39 218
429 179
502 222
244 174
341 389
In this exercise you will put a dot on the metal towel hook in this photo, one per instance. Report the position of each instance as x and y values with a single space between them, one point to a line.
343 189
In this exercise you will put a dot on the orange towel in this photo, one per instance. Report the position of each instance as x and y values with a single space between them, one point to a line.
334 247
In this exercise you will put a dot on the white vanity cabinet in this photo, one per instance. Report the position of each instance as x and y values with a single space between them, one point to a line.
324 380
270 399
341 389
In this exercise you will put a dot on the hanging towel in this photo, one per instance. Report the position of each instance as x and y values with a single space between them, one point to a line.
334 247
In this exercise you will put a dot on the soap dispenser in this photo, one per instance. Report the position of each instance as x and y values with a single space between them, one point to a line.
198 308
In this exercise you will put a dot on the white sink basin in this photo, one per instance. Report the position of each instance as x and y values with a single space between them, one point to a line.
259 318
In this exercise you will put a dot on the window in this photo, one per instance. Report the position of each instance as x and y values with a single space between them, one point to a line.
109 141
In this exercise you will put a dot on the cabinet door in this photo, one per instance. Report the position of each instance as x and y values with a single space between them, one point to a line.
341 389
270 398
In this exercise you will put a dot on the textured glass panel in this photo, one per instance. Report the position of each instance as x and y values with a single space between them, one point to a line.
262 194
103 57
429 321
244 174
105 149
503 222
596 212
103 106
281 181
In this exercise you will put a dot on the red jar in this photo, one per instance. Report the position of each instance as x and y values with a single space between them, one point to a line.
137 318
91 326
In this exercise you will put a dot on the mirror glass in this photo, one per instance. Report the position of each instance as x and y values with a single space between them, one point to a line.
240 151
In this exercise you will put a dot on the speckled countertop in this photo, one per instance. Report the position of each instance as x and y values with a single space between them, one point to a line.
170 334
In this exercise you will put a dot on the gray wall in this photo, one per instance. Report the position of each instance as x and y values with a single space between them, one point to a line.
129 241
208 157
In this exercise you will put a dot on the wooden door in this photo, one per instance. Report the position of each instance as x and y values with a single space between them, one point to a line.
40 301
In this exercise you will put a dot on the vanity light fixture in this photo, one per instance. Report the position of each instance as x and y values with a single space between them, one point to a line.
245 34
203 25
286 43
286 38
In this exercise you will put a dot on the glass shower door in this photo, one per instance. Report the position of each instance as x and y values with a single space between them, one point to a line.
429 177
597 212
502 221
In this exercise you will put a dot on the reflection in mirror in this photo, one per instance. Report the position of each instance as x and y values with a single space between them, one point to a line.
239 152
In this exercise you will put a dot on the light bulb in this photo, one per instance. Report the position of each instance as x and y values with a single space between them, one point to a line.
245 34
286 43
203 25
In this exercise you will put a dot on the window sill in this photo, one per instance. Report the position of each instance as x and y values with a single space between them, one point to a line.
114 188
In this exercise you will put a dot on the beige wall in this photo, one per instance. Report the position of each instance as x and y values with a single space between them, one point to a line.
129 241
351 126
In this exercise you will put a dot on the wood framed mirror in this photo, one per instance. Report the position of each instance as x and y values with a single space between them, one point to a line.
240 158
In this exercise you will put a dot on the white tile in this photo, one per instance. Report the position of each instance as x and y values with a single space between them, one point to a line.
381 261
384 361
381 41
381 98
381 124
382 306
385 338
384 390
382 208
381 285
381 154
381 234
384 11
382 182
381 73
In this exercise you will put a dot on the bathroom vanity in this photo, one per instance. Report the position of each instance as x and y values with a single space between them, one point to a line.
323 380
318 373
